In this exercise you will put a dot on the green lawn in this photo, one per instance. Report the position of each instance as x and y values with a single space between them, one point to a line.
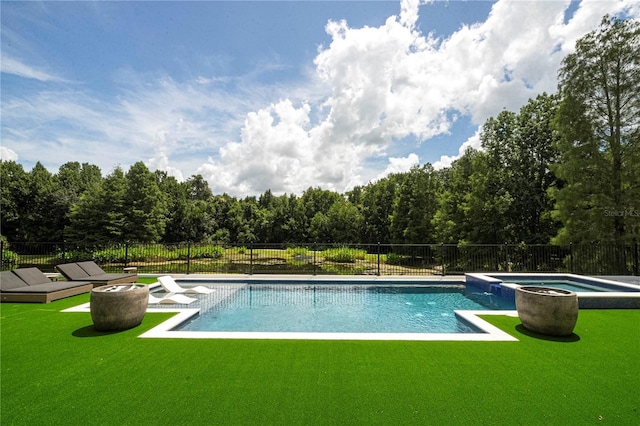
56 369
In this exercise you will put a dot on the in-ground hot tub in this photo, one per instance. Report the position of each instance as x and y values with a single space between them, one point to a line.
593 293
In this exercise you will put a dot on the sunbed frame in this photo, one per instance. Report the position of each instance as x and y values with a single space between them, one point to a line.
40 290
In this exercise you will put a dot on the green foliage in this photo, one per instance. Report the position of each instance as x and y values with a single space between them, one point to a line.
156 253
9 259
376 204
239 250
344 255
144 208
14 192
600 144
501 194
565 160
98 216
395 259
204 252
118 255
73 255
297 251
342 269
415 206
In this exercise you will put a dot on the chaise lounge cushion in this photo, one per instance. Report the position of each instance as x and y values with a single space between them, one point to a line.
81 272
72 271
91 268
32 276
10 281
96 273
31 285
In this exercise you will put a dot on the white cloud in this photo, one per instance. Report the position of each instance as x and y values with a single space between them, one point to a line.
279 150
392 81
171 124
7 154
400 165
446 160
13 66
369 88
161 162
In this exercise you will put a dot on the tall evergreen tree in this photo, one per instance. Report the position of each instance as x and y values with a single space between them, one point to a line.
98 217
378 200
39 222
145 206
451 223
500 194
600 136
415 206
71 181
14 190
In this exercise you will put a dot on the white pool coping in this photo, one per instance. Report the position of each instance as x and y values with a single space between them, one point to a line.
165 330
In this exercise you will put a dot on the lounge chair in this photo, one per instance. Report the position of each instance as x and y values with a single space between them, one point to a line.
171 299
90 271
31 285
171 286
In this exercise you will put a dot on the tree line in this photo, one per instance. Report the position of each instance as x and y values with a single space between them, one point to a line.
564 168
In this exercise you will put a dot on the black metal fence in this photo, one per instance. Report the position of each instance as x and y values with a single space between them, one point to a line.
316 259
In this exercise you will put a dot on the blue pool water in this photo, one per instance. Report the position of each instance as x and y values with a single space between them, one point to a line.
563 284
344 309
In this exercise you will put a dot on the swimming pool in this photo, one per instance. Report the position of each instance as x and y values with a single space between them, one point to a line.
342 309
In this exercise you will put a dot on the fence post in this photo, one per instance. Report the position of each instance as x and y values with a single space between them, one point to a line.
635 258
126 254
315 250
250 258
378 258
2 255
442 258
571 257
188 257
506 257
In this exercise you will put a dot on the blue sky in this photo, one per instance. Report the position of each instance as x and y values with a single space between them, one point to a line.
274 95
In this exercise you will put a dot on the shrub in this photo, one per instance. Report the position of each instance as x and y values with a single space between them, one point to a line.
122 255
73 256
297 251
207 252
395 259
9 259
343 269
344 255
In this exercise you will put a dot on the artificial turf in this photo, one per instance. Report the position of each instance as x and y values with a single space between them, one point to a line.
56 369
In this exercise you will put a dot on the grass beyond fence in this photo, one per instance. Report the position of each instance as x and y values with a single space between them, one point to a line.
56 369
362 259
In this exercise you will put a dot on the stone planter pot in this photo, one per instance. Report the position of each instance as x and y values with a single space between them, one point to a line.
118 307
547 310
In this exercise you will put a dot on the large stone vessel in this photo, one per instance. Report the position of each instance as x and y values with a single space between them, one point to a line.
547 310
118 307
